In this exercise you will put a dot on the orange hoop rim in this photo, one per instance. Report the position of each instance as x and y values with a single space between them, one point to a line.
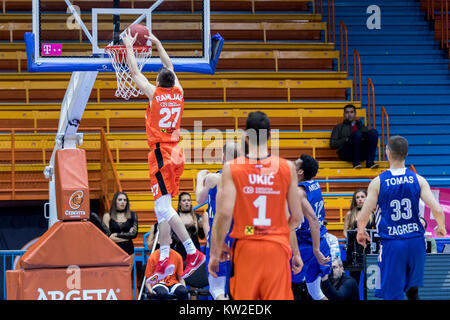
118 51
124 48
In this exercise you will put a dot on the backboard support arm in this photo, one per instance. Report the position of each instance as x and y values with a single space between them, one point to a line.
72 108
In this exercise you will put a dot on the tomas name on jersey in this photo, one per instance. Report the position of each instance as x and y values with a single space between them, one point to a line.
399 180
398 205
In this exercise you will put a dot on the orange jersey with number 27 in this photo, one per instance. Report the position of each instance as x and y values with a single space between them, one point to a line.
163 116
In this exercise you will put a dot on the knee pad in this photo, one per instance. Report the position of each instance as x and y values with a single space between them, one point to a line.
314 289
216 286
163 208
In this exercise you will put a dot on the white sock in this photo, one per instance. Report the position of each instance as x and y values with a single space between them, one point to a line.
189 246
164 252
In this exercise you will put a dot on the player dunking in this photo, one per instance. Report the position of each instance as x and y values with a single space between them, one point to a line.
396 193
166 159
254 193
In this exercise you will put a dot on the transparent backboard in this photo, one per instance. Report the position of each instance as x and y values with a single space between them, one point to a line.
70 35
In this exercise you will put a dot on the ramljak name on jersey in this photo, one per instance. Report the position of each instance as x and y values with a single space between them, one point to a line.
168 96
399 180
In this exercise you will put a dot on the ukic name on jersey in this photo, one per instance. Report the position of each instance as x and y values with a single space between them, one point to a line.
397 213
315 199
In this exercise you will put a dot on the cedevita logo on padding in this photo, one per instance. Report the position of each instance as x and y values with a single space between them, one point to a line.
75 201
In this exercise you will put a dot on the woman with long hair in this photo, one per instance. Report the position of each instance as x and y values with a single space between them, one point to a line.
190 220
122 223
350 218
354 250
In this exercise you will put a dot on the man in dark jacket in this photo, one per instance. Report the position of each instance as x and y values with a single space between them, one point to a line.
354 141
341 286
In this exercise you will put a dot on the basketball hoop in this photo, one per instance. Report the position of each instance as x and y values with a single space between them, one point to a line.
126 87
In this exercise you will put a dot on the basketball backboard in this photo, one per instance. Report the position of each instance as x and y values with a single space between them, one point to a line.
70 35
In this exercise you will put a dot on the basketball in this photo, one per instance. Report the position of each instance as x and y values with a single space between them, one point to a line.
142 31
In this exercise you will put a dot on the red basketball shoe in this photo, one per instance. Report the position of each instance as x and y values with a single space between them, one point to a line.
193 262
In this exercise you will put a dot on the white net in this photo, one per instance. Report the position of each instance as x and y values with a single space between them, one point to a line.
126 87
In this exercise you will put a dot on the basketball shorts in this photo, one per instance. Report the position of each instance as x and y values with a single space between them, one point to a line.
166 165
311 268
260 270
402 266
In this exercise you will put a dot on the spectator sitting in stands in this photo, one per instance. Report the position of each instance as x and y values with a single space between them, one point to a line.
355 250
172 286
192 221
340 286
122 223
430 242
354 141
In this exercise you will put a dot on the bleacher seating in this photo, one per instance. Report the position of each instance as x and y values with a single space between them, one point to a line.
410 74
270 61
188 5
437 12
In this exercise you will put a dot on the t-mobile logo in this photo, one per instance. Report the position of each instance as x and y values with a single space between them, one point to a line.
52 49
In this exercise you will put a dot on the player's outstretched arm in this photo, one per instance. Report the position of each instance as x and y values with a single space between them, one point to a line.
363 217
141 81
294 204
297 261
205 182
165 59
314 226
294 216
201 193
427 196
226 198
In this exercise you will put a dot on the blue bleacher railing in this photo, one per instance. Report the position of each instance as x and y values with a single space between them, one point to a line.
8 258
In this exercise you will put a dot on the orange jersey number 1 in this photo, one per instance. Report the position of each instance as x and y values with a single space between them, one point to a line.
261 203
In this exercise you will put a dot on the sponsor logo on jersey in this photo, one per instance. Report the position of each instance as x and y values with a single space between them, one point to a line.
249 230
248 190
